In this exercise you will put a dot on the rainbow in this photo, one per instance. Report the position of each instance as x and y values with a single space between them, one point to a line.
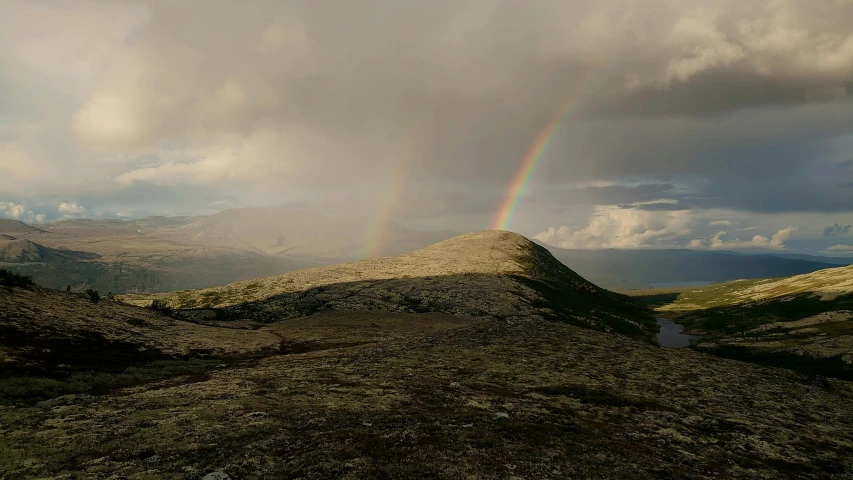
531 160
377 234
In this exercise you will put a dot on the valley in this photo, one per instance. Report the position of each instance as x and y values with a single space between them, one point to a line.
803 322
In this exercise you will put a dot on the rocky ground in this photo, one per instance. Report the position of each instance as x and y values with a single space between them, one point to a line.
519 398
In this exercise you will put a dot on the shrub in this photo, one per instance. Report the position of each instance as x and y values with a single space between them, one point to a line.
160 306
12 279
94 296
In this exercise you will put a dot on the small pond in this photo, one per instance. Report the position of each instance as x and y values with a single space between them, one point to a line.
670 334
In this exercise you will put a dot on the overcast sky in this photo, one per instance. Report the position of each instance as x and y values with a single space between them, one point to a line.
723 124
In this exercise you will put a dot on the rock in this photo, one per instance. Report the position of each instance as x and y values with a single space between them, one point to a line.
455 385
152 459
217 475
501 417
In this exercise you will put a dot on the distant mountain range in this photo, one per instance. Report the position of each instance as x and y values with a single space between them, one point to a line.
158 254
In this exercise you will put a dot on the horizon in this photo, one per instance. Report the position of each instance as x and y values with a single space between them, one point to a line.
734 251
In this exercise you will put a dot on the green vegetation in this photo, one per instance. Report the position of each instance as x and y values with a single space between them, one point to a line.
803 323
160 306
12 279
94 296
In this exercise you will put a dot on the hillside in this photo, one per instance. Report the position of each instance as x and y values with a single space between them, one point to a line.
114 391
16 228
638 269
115 255
483 273
803 321
14 250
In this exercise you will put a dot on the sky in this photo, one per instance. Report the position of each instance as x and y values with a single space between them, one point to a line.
718 124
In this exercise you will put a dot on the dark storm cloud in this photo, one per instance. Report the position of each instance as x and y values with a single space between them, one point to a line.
268 101
836 230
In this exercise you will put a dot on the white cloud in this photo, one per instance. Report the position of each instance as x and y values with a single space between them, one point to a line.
21 212
613 227
264 155
840 248
721 223
71 209
716 242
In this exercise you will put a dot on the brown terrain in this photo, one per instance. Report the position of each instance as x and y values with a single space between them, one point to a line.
509 366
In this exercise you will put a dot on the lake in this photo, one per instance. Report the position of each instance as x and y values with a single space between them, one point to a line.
670 334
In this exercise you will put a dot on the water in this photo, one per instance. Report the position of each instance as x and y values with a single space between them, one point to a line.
698 283
670 334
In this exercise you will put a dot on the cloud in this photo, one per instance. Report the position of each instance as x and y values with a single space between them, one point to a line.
775 242
721 223
840 248
612 227
21 212
836 230
743 106
71 209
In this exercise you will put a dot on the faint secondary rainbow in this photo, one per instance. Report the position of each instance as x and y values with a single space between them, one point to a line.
537 149
377 234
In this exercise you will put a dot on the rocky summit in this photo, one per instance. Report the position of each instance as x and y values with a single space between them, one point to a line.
488 273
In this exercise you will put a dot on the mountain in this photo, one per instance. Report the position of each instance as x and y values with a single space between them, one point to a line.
23 250
803 321
632 269
483 273
114 255
816 258
109 390
155 254
16 228
301 233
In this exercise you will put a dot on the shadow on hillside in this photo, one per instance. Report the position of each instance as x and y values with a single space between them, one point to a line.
738 321
578 302
655 300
